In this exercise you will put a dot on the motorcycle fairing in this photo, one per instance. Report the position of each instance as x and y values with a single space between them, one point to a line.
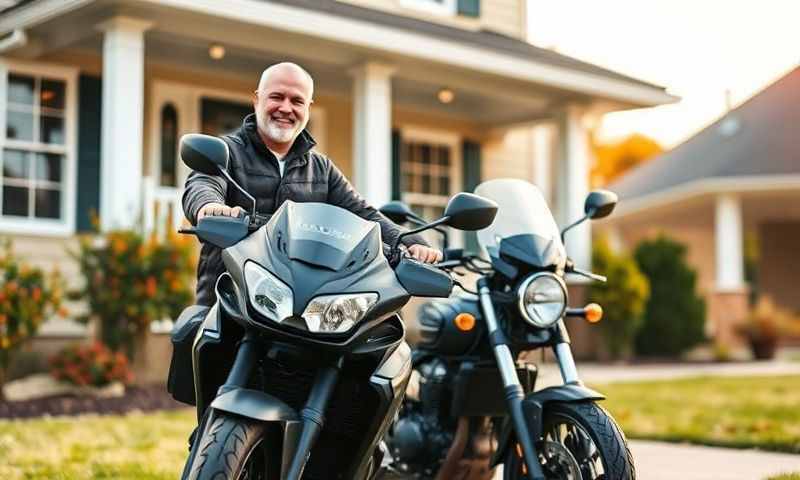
533 406
534 250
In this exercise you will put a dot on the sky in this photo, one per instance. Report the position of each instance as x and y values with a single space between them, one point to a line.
698 49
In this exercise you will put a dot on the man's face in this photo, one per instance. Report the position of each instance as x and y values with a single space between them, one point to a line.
282 104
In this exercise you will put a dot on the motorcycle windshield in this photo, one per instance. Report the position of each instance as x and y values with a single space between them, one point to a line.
324 235
524 219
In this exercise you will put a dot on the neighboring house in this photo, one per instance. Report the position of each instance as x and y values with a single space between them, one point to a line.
415 99
738 178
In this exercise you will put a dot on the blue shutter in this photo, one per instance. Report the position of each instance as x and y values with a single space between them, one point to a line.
469 8
471 152
89 121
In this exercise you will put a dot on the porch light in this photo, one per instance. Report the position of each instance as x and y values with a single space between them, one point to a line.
216 51
445 95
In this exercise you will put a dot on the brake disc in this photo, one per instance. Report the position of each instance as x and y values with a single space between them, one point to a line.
558 463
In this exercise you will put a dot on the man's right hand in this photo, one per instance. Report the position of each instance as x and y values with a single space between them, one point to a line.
211 209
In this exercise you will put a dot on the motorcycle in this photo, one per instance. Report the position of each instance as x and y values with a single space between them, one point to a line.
300 366
471 403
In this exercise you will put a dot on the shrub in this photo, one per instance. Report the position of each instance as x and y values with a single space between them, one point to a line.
674 317
623 297
129 282
90 365
27 297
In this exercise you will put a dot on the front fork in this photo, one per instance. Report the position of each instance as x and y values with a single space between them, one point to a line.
513 387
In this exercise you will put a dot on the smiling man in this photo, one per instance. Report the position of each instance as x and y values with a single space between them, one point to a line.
272 157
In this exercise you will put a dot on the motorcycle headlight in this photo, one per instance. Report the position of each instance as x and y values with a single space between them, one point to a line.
337 313
268 295
542 299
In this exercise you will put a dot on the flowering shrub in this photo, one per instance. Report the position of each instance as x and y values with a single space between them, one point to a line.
130 281
27 296
90 365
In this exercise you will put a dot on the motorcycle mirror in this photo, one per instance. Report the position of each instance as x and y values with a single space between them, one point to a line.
204 153
397 211
600 203
467 211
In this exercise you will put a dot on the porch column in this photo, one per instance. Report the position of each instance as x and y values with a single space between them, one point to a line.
122 122
728 242
573 183
372 132
543 160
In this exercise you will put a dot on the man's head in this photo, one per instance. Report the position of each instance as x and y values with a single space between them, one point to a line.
281 102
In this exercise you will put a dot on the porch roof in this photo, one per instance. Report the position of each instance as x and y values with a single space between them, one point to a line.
753 147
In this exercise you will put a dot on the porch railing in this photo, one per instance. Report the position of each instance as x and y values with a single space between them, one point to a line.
162 208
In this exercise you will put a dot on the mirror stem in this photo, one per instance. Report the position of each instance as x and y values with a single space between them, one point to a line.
419 229
228 177
581 220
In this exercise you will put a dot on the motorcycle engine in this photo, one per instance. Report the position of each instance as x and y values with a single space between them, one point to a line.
420 438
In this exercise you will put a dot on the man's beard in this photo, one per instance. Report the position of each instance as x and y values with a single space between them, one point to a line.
279 133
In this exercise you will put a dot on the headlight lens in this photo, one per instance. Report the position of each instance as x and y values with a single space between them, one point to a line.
337 313
268 295
542 299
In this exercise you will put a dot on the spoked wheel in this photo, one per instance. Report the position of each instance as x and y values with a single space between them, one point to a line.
231 447
580 441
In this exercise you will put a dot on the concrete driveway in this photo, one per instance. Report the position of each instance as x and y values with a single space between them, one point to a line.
663 461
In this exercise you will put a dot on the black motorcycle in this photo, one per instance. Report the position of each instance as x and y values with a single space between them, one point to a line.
300 366
471 404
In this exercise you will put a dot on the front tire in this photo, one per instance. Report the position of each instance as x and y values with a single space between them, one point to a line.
581 441
231 447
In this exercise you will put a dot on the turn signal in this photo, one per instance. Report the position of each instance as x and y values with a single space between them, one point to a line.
594 312
464 322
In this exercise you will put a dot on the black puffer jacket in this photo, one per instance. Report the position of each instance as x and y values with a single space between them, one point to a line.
308 177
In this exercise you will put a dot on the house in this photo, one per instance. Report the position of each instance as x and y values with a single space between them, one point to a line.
415 99
736 180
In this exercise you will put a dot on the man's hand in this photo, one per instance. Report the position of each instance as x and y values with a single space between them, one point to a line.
211 209
425 254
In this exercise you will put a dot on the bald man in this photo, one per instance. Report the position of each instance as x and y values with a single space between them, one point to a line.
272 157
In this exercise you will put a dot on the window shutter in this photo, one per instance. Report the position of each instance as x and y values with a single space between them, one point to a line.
469 8
89 122
471 152
396 171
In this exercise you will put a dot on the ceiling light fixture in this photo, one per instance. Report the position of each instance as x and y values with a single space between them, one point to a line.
445 95
216 51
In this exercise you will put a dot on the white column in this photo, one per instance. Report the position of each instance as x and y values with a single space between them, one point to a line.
122 124
728 243
372 132
543 159
575 160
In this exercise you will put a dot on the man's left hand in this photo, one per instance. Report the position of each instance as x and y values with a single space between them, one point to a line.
425 254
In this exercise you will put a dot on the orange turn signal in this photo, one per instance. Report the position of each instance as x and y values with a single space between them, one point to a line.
464 322
594 312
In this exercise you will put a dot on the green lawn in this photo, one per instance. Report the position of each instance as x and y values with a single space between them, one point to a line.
788 476
741 412
757 412
136 446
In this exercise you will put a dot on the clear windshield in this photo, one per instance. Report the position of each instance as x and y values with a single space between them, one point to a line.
522 210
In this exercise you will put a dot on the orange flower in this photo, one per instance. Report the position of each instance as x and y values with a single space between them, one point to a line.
36 294
151 287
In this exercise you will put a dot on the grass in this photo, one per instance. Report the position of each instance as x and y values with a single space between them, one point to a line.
734 412
135 446
741 412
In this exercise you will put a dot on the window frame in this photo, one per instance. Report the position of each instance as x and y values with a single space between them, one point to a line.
64 226
452 140
447 8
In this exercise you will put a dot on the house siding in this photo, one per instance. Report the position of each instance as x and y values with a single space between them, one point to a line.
502 16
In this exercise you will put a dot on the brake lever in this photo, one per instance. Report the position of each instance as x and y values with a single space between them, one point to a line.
589 275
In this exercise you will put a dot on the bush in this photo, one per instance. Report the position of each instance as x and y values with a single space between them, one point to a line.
675 314
27 296
129 282
622 298
90 365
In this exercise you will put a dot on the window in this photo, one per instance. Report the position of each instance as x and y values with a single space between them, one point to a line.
438 7
222 116
169 146
35 184
429 176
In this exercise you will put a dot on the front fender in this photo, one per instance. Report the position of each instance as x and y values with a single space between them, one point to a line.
256 405
533 406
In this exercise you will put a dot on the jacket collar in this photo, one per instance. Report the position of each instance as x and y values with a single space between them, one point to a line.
297 153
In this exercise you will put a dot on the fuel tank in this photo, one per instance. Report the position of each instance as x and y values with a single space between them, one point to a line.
438 330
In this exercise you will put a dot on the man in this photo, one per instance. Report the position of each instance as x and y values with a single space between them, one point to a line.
272 158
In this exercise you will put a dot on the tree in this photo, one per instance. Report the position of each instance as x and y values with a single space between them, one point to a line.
675 314
614 159
623 297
